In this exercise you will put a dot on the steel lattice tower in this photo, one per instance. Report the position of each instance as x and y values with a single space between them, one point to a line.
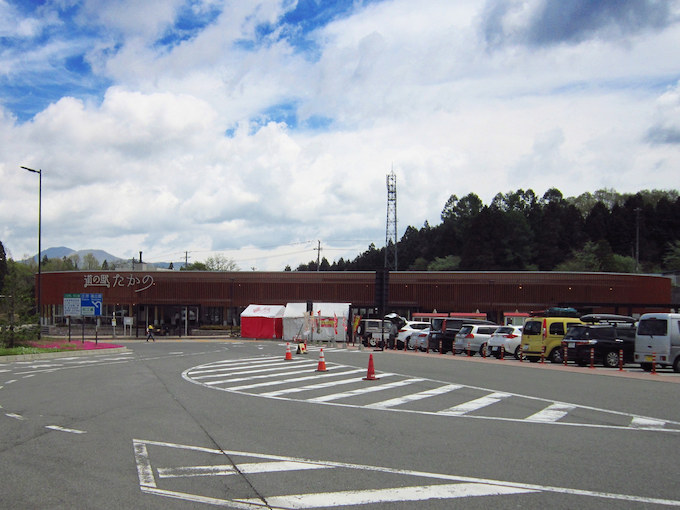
391 225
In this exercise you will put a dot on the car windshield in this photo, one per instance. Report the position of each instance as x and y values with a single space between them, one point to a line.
653 327
464 330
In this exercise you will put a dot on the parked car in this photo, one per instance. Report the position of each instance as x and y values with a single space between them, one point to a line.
473 338
443 331
407 330
374 331
418 340
509 338
606 335
542 336
658 341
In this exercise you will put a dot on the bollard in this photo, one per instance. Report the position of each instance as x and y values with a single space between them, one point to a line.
468 349
565 355
521 354
592 357
543 353
620 360
502 352
484 351
654 363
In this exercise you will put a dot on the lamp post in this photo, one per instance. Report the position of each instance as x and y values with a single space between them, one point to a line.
39 172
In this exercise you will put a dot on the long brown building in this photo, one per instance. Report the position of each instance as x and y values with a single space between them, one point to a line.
175 299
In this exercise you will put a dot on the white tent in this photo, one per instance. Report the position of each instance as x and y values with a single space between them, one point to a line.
294 321
330 321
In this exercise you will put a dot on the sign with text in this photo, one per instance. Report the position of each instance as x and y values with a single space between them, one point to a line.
82 305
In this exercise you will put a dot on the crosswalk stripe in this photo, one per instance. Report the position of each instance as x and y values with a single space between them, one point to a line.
395 494
473 405
249 369
551 413
361 391
254 377
393 402
278 382
319 386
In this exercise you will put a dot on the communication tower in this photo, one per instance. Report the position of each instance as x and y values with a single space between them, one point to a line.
391 225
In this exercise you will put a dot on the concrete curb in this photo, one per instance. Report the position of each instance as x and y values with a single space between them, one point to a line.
61 354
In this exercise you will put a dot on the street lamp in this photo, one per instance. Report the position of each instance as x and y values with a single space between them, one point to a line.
39 172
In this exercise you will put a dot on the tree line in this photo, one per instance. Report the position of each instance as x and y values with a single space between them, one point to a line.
519 231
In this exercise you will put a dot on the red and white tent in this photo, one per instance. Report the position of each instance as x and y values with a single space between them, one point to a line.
262 321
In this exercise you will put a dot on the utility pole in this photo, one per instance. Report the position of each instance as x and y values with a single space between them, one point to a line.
318 255
186 259
637 239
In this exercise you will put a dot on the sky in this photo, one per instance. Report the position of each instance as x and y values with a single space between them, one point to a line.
259 130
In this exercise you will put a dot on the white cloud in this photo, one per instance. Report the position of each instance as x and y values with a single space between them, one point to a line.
177 156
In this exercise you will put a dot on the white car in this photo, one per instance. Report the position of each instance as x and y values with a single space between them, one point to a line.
472 338
408 329
509 337
418 339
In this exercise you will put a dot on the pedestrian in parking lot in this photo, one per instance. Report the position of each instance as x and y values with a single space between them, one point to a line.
149 331
394 331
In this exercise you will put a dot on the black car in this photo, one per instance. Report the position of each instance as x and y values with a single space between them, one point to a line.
603 335
443 332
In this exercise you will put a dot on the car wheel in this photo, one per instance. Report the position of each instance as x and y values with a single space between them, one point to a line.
611 359
483 351
372 342
556 355
676 365
518 353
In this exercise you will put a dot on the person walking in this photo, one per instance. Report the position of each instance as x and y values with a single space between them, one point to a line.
149 331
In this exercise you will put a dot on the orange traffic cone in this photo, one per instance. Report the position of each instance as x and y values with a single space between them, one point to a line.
289 355
370 375
322 363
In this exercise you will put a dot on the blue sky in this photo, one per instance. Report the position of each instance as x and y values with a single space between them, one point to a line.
256 129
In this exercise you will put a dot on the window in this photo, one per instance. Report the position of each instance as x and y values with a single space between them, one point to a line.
557 328
653 327
532 328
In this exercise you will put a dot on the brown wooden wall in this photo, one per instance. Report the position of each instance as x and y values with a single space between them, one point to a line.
414 291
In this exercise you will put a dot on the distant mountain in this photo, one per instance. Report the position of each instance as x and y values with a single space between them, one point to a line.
62 251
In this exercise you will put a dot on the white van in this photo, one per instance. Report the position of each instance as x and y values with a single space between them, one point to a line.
658 335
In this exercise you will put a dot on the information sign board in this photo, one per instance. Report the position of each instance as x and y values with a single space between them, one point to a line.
91 305
72 305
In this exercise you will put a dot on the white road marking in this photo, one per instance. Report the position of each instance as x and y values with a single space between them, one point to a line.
546 412
551 413
646 423
296 379
11 381
462 486
64 429
15 416
361 391
391 495
246 468
319 386
474 405
414 396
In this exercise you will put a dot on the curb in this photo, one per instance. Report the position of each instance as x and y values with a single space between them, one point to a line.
60 354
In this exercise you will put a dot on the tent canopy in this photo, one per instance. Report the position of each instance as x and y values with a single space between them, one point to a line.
262 321
328 321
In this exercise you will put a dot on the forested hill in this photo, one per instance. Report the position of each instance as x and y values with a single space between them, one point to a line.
600 231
